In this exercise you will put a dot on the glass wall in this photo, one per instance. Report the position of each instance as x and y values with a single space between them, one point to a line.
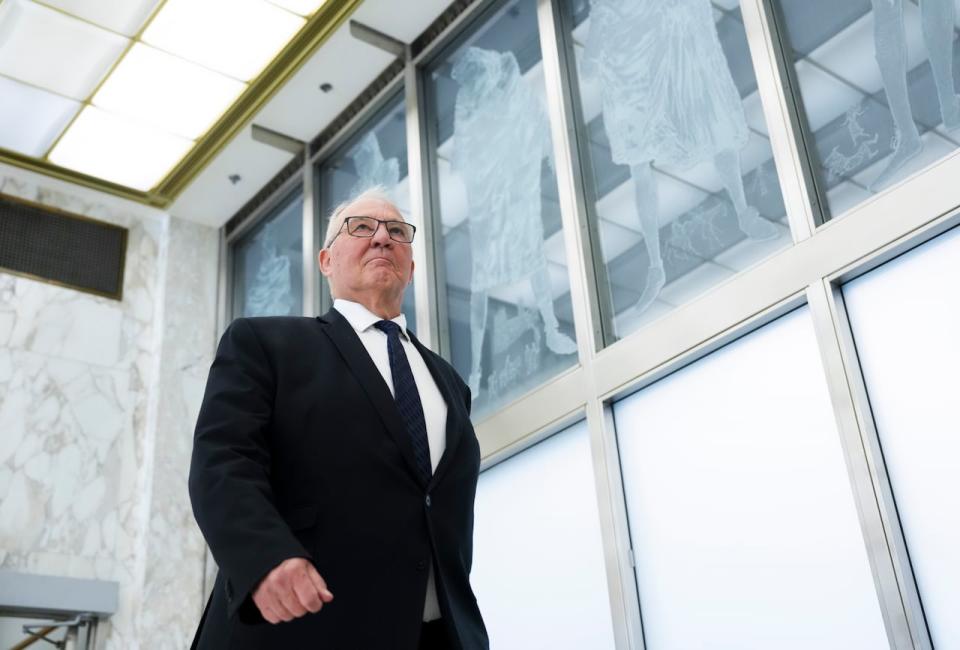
905 317
679 173
376 155
506 289
744 528
877 90
268 264
538 567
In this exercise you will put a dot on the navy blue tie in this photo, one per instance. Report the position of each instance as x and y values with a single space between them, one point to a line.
407 397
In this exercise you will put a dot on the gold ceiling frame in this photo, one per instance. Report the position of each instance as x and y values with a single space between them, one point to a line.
318 28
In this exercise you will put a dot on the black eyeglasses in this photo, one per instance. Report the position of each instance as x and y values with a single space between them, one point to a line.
399 231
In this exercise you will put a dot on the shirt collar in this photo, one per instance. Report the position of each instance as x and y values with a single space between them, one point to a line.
362 319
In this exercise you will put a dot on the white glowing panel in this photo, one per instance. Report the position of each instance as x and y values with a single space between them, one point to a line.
302 7
742 517
110 147
235 37
30 118
45 48
123 16
538 567
905 318
167 92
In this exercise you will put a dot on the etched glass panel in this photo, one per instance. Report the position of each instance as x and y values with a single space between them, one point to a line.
376 155
538 569
905 317
268 265
507 294
741 513
680 179
877 90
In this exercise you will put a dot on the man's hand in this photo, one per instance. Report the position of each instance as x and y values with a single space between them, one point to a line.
290 590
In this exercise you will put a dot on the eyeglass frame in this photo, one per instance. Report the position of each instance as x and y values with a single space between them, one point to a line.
346 221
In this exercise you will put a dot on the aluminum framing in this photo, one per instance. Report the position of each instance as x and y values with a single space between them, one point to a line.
810 272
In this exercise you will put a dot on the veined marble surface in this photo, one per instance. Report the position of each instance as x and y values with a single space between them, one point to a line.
98 399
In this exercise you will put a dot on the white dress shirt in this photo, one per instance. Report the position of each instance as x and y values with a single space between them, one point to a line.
434 406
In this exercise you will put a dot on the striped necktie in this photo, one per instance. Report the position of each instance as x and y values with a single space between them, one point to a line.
407 397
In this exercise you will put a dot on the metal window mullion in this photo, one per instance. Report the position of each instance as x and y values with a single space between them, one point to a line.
424 272
617 547
311 244
780 112
577 229
893 576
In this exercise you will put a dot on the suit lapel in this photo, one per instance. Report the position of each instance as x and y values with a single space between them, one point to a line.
361 365
455 414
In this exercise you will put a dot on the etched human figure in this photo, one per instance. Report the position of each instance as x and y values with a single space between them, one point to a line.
500 136
890 48
668 97
371 168
271 291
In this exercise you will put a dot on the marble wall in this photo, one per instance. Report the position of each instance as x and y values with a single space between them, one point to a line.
98 399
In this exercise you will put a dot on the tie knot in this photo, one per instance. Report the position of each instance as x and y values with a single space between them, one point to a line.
388 327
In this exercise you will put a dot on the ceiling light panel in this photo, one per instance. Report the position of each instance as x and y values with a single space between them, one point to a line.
123 16
119 150
46 48
167 92
302 7
235 37
30 118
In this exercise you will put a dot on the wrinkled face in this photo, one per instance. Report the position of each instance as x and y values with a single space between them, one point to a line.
369 270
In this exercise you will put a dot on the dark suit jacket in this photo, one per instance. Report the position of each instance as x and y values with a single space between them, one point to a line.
300 451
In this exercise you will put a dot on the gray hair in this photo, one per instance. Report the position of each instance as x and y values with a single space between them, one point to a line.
339 214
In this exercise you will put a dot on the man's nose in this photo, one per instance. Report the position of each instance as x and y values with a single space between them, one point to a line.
382 237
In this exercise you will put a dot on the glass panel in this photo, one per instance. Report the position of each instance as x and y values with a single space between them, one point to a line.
876 90
268 265
507 290
375 155
538 555
743 522
905 317
680 178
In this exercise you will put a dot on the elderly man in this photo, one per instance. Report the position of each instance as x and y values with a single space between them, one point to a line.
334 466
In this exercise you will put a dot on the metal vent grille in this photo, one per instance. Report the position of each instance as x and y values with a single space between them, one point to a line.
60 248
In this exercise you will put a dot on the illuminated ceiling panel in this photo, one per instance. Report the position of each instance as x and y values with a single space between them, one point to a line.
235 37
106 146
167 92
302 7
48 49
123 16
30 118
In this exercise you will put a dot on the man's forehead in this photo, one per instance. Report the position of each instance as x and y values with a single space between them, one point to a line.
373 208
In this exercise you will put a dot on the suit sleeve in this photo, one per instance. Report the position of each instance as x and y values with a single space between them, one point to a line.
230 487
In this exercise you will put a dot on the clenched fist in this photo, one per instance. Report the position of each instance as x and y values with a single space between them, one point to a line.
290 590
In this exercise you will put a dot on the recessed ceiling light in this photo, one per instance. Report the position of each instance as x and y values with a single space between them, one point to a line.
30 118
235 37
302 7
118 149
167 92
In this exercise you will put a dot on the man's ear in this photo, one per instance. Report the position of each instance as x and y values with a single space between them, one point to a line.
323 261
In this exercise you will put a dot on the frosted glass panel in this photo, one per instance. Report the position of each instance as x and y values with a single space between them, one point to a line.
681 182
741 514
268 265
503 261
905 317
538 559
877 82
